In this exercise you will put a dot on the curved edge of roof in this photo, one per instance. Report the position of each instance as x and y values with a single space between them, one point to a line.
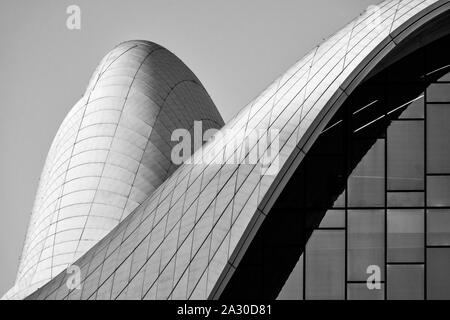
362 70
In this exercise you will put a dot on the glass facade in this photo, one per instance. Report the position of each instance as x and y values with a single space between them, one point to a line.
393 210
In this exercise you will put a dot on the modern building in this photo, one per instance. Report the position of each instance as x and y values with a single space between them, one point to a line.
111 152
354 204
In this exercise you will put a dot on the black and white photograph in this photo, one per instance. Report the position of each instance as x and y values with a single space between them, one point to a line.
239 152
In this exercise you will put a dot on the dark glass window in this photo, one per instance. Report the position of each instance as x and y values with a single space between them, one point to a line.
325 265
415 109
405 282
438 92
445 77
293 288
365 242
324 173
405 155
438 138
438 268
340 201
359 291
438 227
438 191
405 235
405 100
405 199
364 190
366 183
333 219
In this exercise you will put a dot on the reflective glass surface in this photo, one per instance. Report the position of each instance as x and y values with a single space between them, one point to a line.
395 219
438 138
406 155
405 282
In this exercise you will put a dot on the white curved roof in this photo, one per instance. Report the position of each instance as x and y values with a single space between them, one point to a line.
111 152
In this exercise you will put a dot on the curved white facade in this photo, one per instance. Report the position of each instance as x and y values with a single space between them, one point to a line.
111 152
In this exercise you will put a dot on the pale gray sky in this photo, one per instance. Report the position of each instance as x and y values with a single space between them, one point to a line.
235 47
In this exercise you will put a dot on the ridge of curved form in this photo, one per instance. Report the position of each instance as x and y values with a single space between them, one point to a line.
110 153
187 238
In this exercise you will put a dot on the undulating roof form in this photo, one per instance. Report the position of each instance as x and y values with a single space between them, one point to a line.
186 240
111 152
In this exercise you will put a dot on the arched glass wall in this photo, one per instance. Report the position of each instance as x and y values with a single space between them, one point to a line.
389 145
370 200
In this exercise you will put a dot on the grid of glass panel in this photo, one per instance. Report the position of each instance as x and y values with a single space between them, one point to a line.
393 213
